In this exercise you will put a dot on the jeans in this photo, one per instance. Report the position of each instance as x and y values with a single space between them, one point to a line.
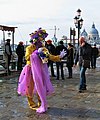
70 71
82 78
20 62
59 66
8 58
93 61
50 63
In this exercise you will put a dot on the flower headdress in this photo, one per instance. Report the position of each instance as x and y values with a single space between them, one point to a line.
38 33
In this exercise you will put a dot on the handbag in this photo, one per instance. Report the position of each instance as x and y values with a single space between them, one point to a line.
86 63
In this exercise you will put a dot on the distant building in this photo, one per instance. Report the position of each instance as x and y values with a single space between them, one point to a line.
92 36
84 33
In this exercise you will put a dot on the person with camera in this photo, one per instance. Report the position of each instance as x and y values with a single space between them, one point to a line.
83 55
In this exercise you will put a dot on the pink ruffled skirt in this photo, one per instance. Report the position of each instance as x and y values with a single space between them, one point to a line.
25 83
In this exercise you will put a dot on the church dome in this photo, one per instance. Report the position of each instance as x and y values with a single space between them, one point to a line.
93 30
84 33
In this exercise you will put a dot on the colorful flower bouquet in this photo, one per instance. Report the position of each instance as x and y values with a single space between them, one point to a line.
43 54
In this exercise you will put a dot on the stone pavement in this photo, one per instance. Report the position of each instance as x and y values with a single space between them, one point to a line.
65 104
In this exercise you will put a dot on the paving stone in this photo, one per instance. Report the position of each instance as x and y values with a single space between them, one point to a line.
65 104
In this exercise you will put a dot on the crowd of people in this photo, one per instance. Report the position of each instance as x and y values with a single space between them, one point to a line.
54 50
40 55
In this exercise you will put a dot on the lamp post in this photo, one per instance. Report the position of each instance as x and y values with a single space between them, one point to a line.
78 21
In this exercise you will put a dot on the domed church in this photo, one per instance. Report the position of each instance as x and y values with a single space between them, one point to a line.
92 36
84 33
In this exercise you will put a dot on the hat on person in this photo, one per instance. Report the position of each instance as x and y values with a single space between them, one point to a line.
81 39
8 40
49 41
21 42
38 33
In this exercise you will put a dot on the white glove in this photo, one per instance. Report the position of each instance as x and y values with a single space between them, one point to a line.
40 49
62 53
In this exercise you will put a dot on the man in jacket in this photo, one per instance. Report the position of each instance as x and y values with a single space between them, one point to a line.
59 65
70 59
51 49
94 56
83 54
20 53
8 53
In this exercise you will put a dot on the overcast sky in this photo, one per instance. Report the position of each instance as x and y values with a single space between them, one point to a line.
29 15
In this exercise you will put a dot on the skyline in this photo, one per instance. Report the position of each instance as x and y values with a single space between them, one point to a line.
29 15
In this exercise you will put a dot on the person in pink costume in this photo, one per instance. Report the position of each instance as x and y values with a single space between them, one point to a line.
34 77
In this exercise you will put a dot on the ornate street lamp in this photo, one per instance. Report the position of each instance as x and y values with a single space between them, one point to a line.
78 21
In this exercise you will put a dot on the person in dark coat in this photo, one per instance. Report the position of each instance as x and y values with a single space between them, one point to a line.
83 54
20 53
51 49
94 56
59 65
70 59
8 53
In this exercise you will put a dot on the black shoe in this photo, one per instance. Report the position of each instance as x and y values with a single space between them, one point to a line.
80 91
62 78
53 76
57 78
69 77
84 89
